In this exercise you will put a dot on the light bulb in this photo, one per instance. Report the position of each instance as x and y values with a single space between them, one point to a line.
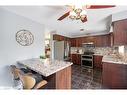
78 17
83 12
72 17
72 13
77 11
83 17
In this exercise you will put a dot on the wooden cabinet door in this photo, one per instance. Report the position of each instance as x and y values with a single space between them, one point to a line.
120 32
83 39
76 59
60 37
106 41
103 40
114 76
98 61
73 42
78 42
98 41
63 78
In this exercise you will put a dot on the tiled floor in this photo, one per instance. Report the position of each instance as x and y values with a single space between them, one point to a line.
83 78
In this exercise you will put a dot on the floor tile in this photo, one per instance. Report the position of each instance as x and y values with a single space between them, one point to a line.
84 78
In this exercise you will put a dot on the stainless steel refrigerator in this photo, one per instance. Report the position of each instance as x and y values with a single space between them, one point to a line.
61 50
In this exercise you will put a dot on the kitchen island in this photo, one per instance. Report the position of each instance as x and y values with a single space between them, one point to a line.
57 73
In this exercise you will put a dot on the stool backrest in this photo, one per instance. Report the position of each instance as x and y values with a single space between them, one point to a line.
28 81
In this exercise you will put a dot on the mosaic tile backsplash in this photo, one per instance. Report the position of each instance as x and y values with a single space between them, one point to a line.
96 50
110 51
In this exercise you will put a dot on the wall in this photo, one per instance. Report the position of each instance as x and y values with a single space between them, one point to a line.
10 50
119 16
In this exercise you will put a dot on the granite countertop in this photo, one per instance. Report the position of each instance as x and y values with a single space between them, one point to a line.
45 67
76 53
98 54
112 59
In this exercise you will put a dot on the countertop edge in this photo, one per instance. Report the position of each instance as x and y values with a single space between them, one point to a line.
46 75
59 69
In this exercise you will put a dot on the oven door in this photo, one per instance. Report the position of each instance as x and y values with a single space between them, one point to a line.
87 63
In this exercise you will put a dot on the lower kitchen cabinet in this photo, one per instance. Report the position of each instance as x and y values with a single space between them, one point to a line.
114 76
76 59
97 61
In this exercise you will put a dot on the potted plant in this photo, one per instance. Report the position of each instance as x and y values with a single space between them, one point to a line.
42 58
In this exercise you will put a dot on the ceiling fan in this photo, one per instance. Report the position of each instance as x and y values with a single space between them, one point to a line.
79 13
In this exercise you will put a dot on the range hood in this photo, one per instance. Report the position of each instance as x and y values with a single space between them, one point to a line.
88 43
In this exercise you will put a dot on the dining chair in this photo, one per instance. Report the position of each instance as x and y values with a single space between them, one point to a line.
28 80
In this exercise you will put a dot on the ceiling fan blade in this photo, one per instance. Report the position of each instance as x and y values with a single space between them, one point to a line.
84 20
99 6
64 16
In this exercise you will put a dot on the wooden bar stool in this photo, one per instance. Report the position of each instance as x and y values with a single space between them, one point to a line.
28 81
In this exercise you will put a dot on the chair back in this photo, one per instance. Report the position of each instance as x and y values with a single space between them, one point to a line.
28 81
15 71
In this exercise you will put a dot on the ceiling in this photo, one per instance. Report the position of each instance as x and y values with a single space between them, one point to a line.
99 20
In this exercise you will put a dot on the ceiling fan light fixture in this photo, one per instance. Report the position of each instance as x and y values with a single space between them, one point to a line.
73 13
88 6
78 17
78 11
83 12
72 17
83 17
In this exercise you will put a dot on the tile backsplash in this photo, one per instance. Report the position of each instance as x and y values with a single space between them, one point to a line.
75 50
124 55
110 51
105 50
96 50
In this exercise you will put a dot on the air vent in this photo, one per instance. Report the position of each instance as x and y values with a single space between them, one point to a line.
88 34
81 29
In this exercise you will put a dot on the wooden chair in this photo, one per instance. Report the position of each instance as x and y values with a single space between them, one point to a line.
28 80
15 71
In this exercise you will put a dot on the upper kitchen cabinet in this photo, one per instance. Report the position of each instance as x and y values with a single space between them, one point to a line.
103 40
79 42
120 32
89 39
58 37
98 41
73 42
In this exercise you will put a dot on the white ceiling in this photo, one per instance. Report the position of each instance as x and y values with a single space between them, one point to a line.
99 20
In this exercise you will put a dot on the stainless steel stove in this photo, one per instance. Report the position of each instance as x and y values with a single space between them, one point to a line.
87 59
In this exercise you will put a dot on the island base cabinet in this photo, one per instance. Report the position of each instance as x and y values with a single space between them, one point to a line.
59 80
114 76
63 79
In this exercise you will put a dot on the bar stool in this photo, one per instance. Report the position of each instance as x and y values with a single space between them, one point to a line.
28 79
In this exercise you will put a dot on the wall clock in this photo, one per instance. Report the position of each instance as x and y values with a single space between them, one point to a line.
24 37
